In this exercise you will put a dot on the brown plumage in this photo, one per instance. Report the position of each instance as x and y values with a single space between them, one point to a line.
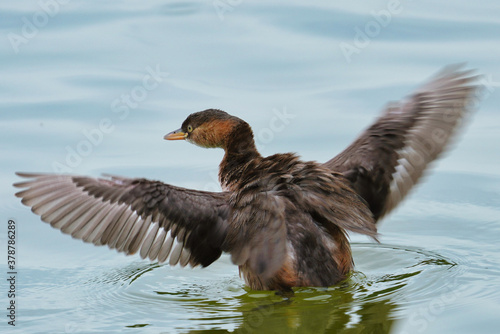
284 221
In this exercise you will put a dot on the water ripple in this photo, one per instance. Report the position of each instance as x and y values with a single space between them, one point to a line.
388 275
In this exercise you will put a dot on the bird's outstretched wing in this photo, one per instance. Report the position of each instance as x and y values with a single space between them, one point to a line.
388 158
157 220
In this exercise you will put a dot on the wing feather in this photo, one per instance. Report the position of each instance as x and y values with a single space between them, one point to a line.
132 215
390 157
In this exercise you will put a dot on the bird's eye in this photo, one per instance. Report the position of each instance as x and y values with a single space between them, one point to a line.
190 128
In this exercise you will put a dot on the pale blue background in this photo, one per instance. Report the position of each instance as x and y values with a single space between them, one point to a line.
437 268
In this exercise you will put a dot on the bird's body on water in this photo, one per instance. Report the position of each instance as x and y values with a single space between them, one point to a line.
284 221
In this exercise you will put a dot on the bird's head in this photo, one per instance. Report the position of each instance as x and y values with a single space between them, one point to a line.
210 128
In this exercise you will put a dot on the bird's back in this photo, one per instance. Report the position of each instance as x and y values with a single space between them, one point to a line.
295 215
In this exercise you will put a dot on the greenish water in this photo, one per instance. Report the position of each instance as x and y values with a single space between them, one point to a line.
90 87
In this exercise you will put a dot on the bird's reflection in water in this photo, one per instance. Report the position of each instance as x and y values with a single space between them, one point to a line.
333 310
353 306
360 304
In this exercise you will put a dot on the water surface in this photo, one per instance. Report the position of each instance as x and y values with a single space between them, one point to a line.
92 87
